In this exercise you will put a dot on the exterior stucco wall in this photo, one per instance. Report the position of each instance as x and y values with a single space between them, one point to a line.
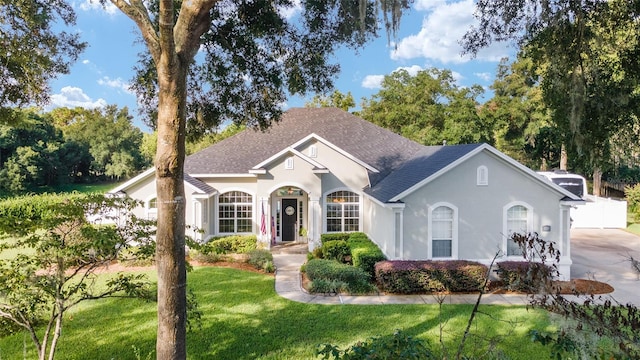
143 191
343 172
481 221
380 226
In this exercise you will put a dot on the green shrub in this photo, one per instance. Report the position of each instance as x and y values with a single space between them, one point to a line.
235 244
357 280
358 236
261 259
411 277
317 253
334 236
632 194
398 347
523 276
208 258
326 286
336 250
364 253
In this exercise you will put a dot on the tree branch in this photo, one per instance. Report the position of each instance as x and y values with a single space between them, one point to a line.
194 20
137 12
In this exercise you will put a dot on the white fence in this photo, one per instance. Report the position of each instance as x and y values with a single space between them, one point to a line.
599 212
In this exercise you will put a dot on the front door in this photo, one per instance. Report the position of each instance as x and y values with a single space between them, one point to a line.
289 217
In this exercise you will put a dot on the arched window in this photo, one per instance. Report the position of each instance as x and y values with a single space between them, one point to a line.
518 220
343 211
443 231
235 209
152 208
482 176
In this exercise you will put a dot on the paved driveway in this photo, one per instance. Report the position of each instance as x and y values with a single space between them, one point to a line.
602 254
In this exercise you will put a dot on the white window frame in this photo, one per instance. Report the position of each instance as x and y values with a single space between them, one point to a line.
151 213
235 209
454 230
507 232
482 176
342 218
288 163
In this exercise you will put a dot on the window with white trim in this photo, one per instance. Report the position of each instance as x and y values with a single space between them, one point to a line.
152 209
482 176
235 209
288 164
343 211
442 231
517 222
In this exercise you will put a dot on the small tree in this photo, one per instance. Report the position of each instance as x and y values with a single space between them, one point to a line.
58 254
592 314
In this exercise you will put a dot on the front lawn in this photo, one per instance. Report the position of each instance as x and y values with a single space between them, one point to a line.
243 318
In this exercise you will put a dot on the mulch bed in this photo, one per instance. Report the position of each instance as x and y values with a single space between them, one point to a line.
582 286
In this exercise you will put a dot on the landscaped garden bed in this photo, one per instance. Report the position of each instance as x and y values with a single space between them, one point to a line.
350 263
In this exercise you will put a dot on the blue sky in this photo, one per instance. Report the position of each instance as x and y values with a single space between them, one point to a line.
428 37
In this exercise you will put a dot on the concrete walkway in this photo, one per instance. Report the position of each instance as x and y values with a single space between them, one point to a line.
596 253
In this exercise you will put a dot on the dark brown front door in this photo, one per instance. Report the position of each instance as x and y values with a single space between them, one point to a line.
289 216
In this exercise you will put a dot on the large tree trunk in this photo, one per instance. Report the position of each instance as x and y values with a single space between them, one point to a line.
597 180
563 157
170 237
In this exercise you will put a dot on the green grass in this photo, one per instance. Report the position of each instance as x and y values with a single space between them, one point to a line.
243 318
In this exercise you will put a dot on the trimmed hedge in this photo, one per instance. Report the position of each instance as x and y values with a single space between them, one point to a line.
364 253
523 276
234 244
333 272
337 250
334 236
412 277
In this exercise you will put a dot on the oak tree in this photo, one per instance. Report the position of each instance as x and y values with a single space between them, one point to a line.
35 49
250 55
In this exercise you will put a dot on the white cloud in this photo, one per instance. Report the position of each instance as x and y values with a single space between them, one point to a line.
116 83
375 81
94 5
485 76
86 62
442 28
372 81
71 96
422 5
457 77
290 12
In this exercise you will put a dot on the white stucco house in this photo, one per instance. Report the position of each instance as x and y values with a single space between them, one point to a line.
323 170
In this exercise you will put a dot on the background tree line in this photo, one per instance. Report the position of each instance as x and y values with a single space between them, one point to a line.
71 146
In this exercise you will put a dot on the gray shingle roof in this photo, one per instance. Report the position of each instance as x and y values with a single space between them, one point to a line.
423 165
199 185
378 147
401 163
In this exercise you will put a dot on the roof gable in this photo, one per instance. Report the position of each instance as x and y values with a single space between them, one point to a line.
433 162
378 148
291 151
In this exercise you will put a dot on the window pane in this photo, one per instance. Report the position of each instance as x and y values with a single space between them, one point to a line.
343 211
334 225
517 222
226 226
351 225
334 211
244 225
235 211
441 248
